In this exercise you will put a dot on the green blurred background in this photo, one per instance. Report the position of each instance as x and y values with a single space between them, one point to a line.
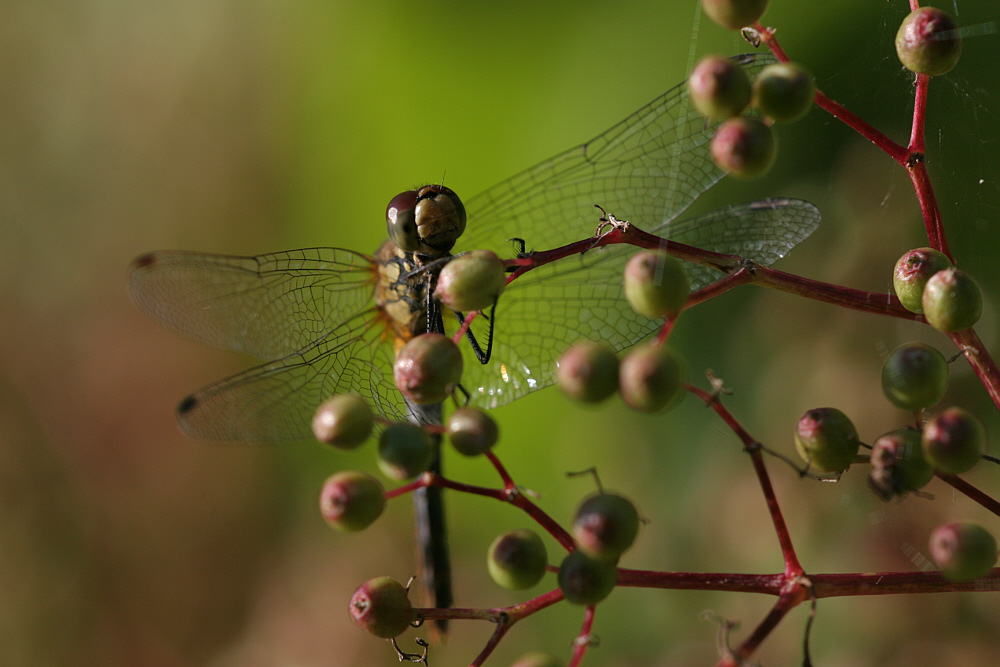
246 126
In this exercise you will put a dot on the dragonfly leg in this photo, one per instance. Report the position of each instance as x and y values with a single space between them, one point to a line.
483 357
609 220
435 319
465 393
520 245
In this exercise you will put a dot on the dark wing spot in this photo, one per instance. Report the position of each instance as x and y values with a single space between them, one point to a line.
187 405
142 261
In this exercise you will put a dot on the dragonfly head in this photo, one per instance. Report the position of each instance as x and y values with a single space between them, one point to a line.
427 221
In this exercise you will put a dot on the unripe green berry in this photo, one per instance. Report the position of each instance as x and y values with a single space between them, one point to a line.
472 432
954 441
963 551
381 607
952 300
898 464
826 439
605 526
651 378
743 147
911 273
404 451
471 281
734 14
351 500
656 285
784 91
345 421
517 559
586 581
915 376
719 88
588 372
428 368
928 42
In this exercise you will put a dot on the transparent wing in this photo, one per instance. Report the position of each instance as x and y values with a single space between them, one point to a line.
580 297
268 306
646 169
275 402
311 309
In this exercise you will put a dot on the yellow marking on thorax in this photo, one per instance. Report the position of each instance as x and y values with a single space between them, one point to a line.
400 302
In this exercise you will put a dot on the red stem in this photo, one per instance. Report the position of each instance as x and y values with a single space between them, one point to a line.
785 604
928 206
792 566
837 110
916 167
508 482
980 359
493 642
560 534
665 330
878 303
582 642
913 159
894 150
971 491
508 494
768 584
891 583
821 585
740 272
917 144
508 615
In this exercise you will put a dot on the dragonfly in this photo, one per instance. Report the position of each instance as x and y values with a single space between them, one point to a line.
330 320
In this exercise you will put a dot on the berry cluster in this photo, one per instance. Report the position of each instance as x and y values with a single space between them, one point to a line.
745 146
653 378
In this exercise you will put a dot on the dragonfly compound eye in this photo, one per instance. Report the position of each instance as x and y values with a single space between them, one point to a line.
401 222
440 218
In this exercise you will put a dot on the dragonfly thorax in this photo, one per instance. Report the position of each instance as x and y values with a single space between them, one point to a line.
402 299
